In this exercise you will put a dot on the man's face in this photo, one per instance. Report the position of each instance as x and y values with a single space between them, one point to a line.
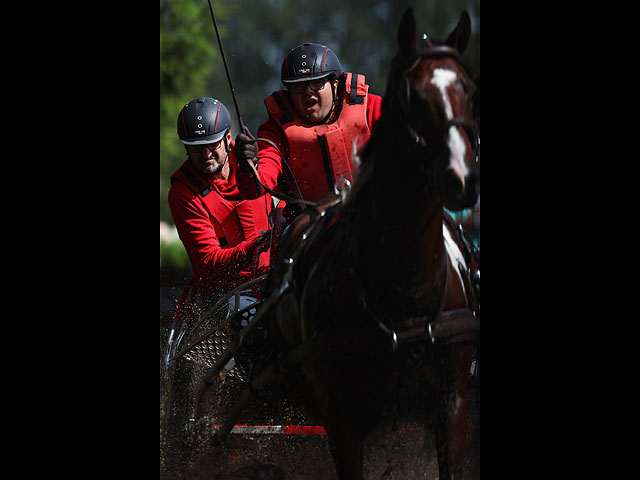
313 100
209 158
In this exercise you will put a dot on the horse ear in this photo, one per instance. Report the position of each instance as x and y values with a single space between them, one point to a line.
459 38
407 31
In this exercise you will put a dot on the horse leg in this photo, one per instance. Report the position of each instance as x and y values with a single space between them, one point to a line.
451 426
347 452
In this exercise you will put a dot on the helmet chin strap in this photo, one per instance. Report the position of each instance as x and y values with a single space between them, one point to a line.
226 143
333 104
226 147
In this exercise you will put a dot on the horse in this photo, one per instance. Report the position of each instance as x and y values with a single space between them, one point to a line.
371 296
376 299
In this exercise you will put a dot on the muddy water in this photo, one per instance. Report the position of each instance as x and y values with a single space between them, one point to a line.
402 448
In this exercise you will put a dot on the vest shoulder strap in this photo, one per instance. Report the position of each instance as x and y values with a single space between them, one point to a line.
286 116
354 98
356 88
201 189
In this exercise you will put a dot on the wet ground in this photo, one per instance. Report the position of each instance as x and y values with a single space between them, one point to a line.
402 448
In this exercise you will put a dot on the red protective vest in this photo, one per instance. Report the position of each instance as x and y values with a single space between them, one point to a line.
322 154
226 222
227 226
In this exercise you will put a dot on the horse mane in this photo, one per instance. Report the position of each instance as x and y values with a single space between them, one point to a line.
383 128
366 158
388 101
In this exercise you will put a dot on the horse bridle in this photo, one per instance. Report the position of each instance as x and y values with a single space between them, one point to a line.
405 67
415 328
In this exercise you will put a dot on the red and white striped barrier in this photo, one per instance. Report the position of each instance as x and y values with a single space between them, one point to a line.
306 430
278 429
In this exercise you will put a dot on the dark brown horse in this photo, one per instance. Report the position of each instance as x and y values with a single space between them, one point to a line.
377 298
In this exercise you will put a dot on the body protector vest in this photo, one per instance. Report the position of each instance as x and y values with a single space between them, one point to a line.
320 155
223 212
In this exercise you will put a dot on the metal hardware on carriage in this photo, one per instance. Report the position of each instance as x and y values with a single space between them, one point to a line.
184 338
342 187
253 384
227 354
220 302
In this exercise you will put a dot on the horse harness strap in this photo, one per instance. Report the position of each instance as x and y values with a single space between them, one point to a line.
451 326
441 327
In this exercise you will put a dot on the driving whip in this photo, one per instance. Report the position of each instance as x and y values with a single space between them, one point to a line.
233 93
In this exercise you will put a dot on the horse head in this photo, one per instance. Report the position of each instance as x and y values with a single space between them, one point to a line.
435 92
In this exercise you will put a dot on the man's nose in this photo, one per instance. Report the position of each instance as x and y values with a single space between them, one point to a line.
307 88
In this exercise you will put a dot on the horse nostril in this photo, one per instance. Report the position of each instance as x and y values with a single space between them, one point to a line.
452 182
460 193
473 183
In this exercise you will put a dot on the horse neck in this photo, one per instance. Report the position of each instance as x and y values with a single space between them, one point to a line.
405 243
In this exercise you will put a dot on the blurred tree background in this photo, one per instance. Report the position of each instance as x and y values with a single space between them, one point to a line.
257 34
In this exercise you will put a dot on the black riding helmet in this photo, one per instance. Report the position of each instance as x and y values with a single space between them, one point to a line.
309 61
203 120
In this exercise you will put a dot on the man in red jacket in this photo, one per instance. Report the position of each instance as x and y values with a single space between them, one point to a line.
221 232
318 123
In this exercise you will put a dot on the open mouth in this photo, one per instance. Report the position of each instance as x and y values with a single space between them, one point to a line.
309 104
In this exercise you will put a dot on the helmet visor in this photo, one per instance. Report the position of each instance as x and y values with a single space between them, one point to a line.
307 77
216 137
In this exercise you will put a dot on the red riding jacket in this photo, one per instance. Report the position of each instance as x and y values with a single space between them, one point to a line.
218 228
318 154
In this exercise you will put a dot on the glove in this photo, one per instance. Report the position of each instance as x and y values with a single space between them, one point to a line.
246 150
262 242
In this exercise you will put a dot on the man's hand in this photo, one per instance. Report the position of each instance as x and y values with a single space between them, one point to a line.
262 242
246 150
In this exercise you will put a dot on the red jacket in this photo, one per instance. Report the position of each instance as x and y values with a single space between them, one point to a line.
318 154
218 228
